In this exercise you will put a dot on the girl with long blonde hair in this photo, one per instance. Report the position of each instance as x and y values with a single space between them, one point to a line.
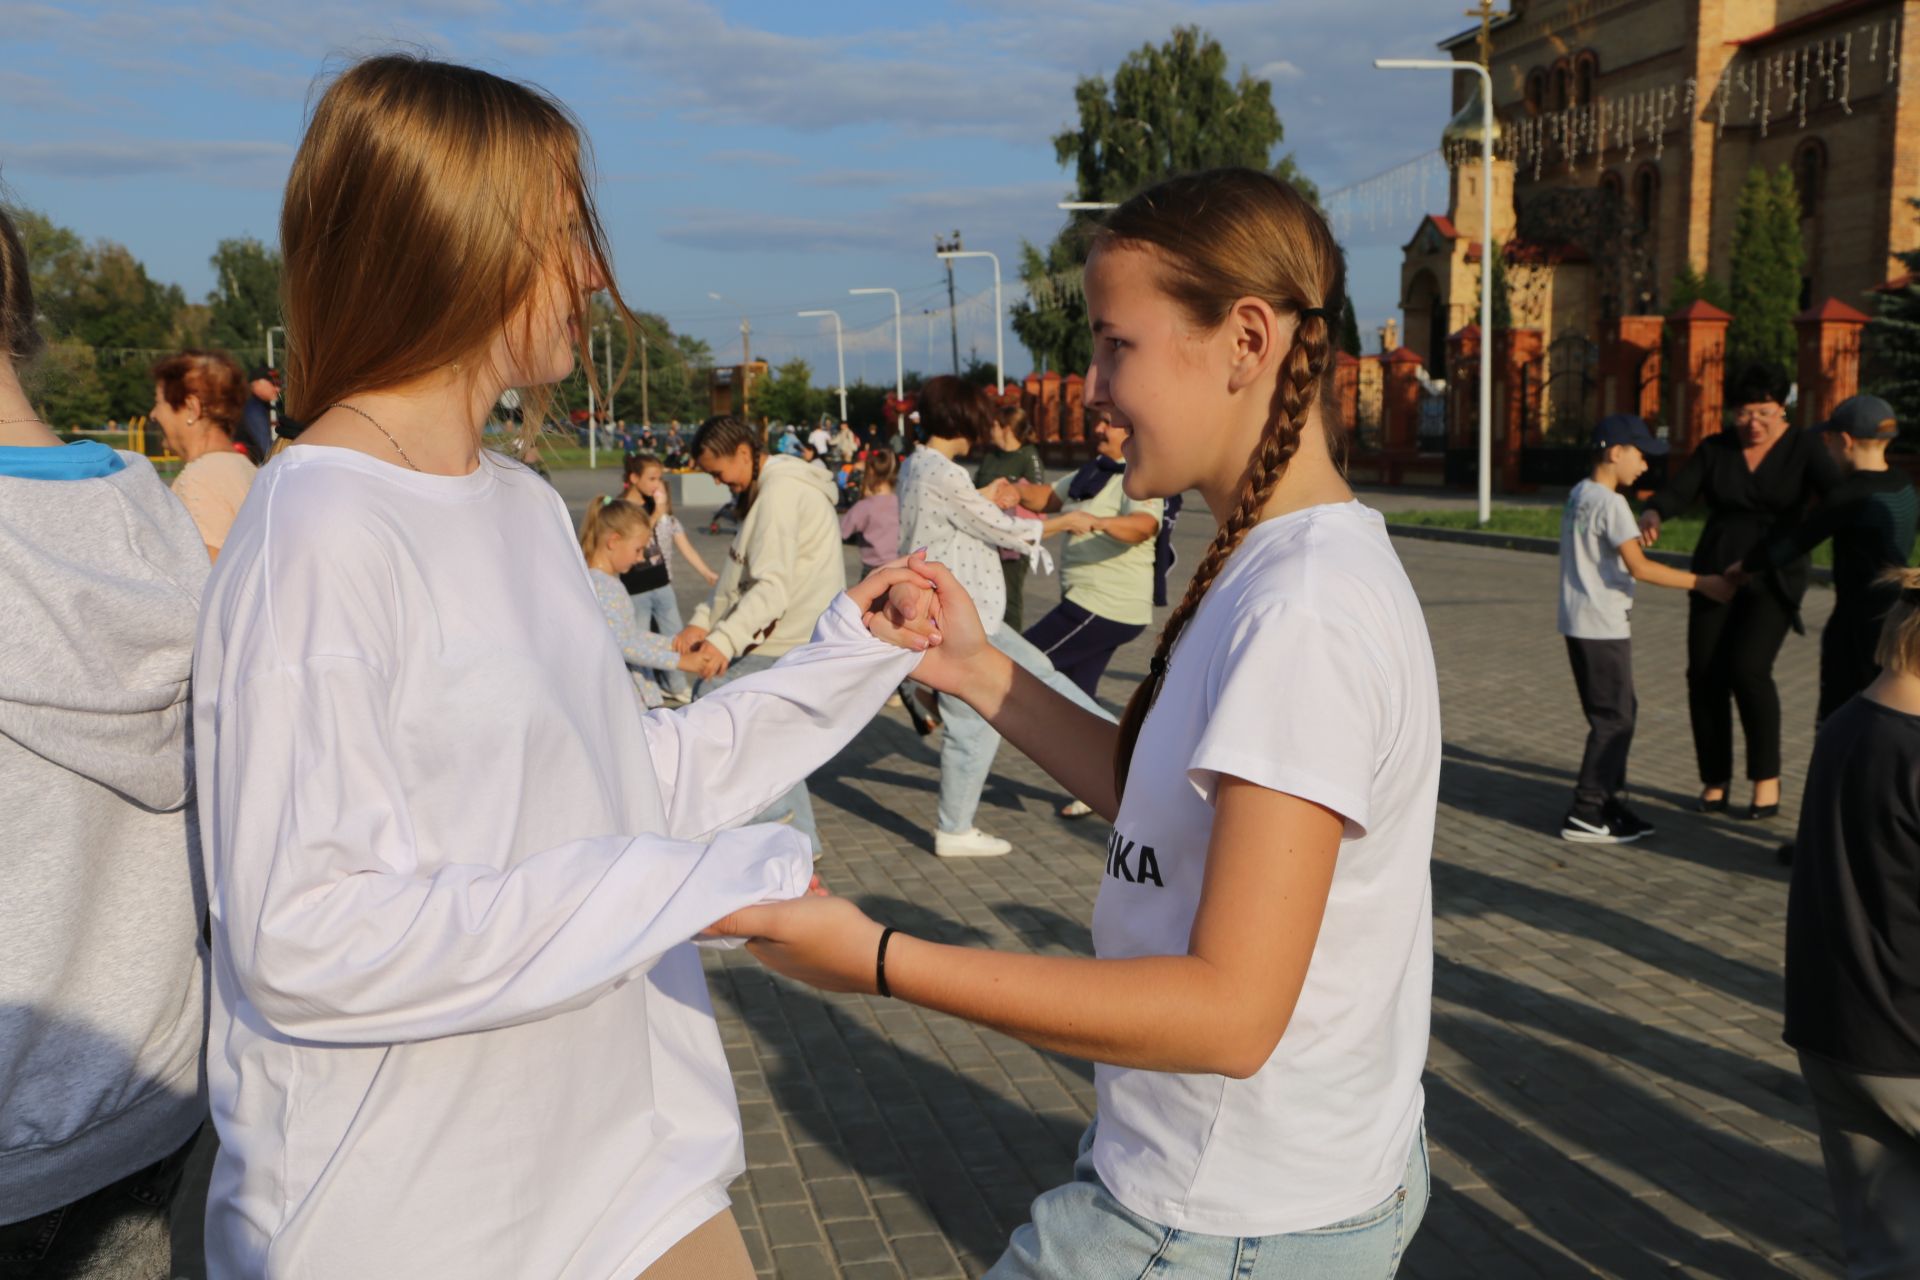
456 1029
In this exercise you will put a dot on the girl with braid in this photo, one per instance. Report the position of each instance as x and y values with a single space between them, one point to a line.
1258 1004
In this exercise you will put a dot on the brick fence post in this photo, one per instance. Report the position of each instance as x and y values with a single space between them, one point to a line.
1630 366
1829 365
1513 351
1401 400
1699 376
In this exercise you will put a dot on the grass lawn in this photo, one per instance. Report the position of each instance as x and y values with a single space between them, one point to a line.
1544 522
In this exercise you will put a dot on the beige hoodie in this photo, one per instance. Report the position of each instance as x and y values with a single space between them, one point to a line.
784 567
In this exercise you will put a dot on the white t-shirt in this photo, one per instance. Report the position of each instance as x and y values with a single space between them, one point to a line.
1306 670
456 1028
1596 591
820 440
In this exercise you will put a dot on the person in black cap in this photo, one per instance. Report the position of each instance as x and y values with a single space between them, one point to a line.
1758 477
1871 517
1600 560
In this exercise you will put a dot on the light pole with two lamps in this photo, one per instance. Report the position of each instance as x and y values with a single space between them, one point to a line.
899 362
839 353
999 318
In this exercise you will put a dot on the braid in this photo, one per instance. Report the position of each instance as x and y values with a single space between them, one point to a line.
1301 371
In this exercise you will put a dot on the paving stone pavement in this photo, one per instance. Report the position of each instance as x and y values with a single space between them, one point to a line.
1607 1093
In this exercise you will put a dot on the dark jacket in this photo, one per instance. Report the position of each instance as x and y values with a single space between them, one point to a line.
1748 508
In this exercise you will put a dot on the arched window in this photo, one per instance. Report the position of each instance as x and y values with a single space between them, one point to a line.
1536 92
1612 188
1557 100
1646 197
1810 175
1586 71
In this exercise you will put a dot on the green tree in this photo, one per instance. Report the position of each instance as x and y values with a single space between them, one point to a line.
64 384
245 300
1170 108
1692 286
1893 340
789 396
1767 256
1349 328
100 296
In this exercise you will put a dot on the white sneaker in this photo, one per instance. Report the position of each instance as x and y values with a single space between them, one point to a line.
969 844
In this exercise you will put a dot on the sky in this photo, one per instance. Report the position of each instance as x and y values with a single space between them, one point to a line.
755 157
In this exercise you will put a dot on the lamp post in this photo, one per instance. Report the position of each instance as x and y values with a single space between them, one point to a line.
593 417
1487 250
899 359
999 317
839 354
273 411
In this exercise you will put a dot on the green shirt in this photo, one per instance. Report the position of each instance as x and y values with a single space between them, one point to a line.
1103 575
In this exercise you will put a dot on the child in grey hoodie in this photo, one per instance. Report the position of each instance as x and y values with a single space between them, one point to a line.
101 981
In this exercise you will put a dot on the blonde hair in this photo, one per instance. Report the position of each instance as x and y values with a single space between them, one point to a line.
1220 236
1899 647
608 517
418 223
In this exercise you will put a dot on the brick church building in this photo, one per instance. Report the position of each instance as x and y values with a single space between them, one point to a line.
1625 130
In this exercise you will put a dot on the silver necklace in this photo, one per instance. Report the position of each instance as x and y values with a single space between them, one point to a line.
382 430
8 422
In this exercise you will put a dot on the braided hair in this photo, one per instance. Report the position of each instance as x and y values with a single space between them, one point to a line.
722 436
1221 236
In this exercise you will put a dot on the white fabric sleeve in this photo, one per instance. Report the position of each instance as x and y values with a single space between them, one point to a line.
1297 705
728 755
974 515
345 925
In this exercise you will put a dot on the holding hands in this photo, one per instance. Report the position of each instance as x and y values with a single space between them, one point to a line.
1717 587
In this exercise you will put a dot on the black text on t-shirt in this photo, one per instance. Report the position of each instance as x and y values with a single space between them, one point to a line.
1134 863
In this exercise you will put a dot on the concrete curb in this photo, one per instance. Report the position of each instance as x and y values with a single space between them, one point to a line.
1539 546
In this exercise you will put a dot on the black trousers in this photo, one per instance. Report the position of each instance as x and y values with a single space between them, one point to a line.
1079 643
1730 653
1603 673
1846 653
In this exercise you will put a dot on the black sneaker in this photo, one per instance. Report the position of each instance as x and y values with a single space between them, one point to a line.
1597 828
1627 822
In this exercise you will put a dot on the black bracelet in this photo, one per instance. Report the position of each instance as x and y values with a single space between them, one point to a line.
880 963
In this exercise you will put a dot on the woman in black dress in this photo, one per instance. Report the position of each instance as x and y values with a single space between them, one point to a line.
1754 479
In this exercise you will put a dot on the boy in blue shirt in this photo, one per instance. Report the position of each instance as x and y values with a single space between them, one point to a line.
1600 560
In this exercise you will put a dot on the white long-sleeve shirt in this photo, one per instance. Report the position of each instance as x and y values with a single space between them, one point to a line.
456 1028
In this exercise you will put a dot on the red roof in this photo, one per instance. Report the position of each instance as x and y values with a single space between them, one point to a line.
1804 21
1441 223
1700 309
1833 309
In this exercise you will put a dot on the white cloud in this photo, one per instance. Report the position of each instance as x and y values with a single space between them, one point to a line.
234 163
906 223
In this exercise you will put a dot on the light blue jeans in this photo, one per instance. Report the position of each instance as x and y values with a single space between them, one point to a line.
1080 1232
795 806
659 611
970 743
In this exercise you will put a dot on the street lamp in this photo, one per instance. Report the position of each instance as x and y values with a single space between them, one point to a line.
839 353
899 359
1487 250
999 317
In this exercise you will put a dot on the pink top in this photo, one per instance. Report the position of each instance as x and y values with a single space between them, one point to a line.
876 520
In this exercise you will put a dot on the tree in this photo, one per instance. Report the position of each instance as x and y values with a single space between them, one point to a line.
245 300
64 384
1692 286
1766 273
789 396
1502 291
1894 341
100 296
1349 328
1170 109
980 373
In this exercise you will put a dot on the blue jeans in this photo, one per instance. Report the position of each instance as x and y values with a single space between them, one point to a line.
795 806
658 611
970 743
1080 1232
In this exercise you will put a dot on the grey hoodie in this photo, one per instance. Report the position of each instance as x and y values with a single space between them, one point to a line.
784 567
101 982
